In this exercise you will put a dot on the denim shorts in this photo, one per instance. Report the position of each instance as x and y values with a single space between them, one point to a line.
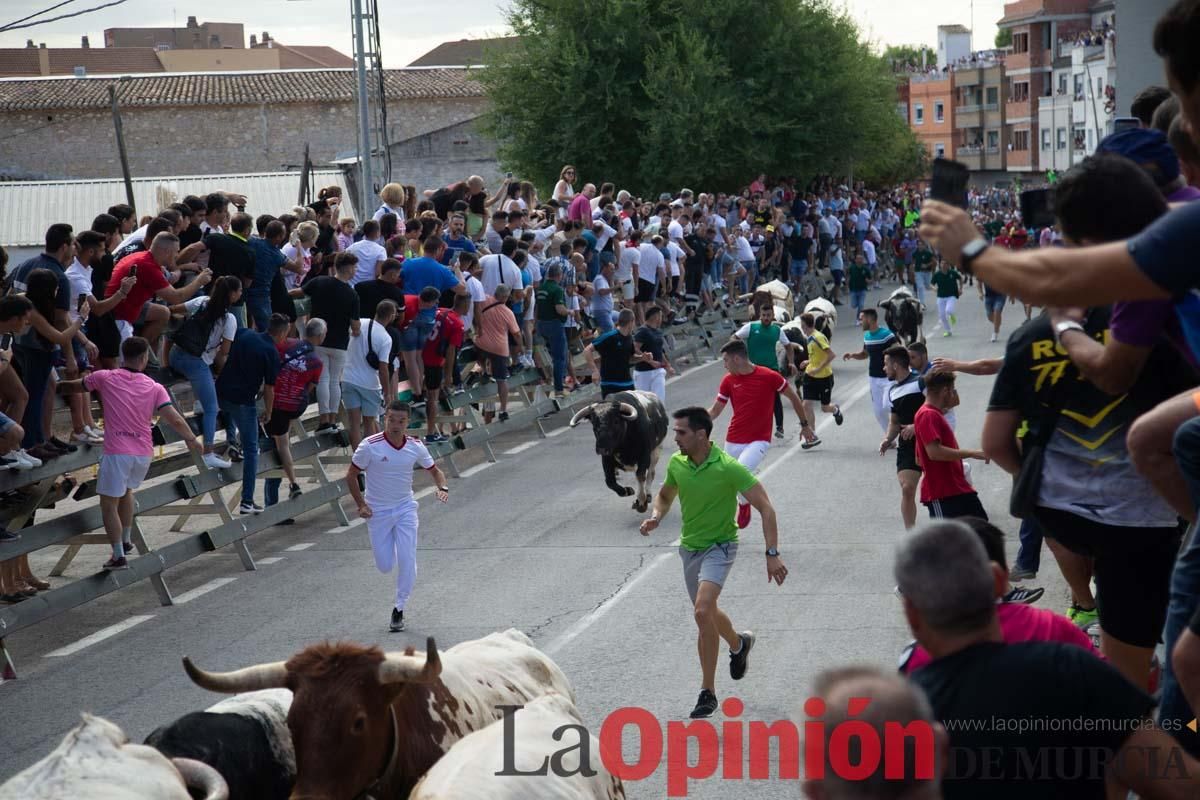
417 333
710 565
799 266
6 424
994 302
369 400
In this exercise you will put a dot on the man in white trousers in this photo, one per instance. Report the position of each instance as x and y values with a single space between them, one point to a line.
388 460
876 339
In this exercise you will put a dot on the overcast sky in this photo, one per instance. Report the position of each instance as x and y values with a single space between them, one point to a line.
411 27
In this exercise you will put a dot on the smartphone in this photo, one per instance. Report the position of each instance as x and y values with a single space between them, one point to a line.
133 270
949 184
1125 124
6 341
79 305
1037 208
508 175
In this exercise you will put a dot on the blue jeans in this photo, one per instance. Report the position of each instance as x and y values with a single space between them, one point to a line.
923 284
603 320
1185 592
36 364
258 309
1029 554
244 419
271 491
200 376
858 300
556 339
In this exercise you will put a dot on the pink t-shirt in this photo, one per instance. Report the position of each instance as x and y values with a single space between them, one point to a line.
1022 623
130 401
580 208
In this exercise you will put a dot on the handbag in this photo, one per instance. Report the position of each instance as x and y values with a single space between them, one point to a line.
372 359
1028 480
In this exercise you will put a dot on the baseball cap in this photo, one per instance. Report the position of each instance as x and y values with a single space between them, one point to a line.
1148 149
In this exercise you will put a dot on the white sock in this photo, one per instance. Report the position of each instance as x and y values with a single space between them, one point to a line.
741 644
127 535
118 551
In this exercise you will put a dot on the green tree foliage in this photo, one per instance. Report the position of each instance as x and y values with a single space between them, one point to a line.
908 55
653 94
1003 38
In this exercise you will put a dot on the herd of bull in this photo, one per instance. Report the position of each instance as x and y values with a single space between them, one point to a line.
339 721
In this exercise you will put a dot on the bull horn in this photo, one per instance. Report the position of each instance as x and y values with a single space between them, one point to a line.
249 679
581 414
627 411
399 668
200 776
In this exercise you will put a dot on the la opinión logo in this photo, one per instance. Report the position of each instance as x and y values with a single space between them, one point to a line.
739 749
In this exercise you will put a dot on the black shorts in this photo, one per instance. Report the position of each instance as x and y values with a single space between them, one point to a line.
433 377
1132 568
645 291
104 334
819 389
956 506
280 422
906 459
499 365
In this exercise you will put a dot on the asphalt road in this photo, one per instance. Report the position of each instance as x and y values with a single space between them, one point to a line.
536 541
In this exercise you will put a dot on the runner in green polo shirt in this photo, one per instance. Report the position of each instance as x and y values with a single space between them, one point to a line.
708 481
761 337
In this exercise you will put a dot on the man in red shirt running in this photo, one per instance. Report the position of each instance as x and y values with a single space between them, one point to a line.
438 356
751 390
945 490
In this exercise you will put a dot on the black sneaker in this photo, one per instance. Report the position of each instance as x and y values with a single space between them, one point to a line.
8 536
294 492
116 563
706 705
837 415
129 548
288 521
739 662
67 447
779 433
810 445
397 621
1019 594
325 426
234 453
503 415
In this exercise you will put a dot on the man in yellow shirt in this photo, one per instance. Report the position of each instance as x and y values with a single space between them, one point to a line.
817 383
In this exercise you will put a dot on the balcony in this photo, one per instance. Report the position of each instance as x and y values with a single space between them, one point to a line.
980 158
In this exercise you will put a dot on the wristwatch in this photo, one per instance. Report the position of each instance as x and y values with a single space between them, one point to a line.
971 251
1064 326
771 551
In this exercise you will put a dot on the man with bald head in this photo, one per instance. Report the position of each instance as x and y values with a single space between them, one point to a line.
893 701
1016 712
581 207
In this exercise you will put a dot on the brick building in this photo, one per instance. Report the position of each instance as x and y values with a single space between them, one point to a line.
931 112
194 36
229 123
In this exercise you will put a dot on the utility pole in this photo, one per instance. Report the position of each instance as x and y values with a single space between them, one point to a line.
116 112
366 179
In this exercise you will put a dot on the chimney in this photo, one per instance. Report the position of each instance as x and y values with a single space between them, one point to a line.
42 45
43 60
84 43
266 37
191 23
253 40
30 45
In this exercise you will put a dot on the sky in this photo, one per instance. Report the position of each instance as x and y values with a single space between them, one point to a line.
412 27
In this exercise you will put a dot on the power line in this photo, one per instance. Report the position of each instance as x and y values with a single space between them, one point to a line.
37 14
14 26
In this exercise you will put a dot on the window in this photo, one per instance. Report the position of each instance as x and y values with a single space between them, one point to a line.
1045 138
1020 140
1089 140
1062 83
993 95
1079 86
1019 92
939 112
939 150
1099 87
993 140
1020 42
1062 138
918 114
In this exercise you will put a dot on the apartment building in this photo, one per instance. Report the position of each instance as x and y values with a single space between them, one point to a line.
980 95
931 112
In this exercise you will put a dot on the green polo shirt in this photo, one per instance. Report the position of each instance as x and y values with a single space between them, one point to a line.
549 295
708 497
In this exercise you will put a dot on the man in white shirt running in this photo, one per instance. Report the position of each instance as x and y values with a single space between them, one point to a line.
387 460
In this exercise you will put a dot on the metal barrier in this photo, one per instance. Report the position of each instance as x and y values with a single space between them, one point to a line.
197 492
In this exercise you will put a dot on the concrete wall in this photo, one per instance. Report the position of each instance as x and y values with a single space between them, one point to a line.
203 140
1137 64
442 157
215 60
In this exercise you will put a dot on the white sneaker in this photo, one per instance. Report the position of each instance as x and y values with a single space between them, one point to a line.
993 337
85 437
94 431
24 458
214 461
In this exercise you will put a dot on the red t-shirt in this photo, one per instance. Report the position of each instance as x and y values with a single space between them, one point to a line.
447 332
412 307
299 367
941 479
150 279
753 399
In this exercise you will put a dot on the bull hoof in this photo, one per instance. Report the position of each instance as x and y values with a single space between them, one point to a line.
626 491
641 505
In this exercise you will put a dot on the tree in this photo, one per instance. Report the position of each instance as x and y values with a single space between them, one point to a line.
908 55
1003 38
654 94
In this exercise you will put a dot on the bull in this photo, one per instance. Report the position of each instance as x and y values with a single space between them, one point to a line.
245 738
825 315
903 315
629 429
369 723
95 760
477 766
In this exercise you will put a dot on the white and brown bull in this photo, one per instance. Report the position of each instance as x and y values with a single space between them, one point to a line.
96 761
368 723
539 752
629 429
903 315
824 315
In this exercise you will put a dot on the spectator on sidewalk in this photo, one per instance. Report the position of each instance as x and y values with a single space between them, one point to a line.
136 309
366 372
497 326
335 301
551 313
131 401
199 348
368 253
269 259
438 359
253 363
299 372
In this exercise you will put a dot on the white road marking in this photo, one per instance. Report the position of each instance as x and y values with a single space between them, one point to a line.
594 616
269 560
475 470
418 495
204 589
559 431
298 547
521 448
99 636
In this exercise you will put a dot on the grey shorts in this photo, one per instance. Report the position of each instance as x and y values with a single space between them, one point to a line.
710 565
121 473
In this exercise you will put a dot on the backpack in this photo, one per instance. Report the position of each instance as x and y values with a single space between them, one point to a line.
192 336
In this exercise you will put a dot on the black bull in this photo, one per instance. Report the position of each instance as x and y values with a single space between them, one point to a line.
629 428
903 315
